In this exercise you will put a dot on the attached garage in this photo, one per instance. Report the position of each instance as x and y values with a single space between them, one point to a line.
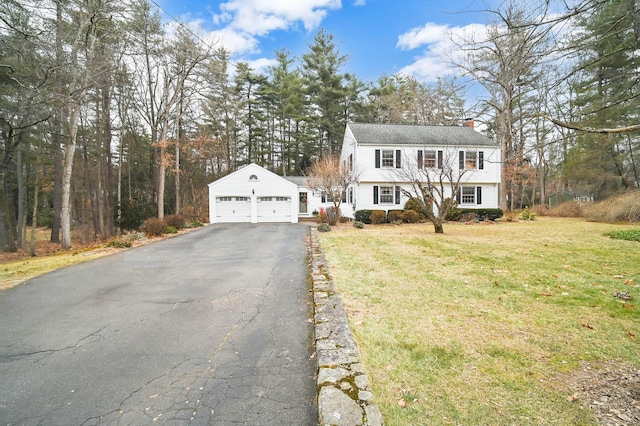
253 194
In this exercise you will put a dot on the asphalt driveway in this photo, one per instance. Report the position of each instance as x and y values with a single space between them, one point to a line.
207 328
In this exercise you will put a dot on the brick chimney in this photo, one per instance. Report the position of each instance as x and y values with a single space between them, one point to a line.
468 122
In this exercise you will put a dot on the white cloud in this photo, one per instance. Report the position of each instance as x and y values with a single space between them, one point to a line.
262 65
359 2
440 51
259 17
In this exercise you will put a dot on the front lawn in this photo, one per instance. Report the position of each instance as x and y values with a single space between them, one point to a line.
487 323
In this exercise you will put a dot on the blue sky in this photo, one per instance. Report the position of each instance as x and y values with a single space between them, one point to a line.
379 36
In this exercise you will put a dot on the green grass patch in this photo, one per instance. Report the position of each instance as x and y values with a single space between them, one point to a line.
628 235
477 326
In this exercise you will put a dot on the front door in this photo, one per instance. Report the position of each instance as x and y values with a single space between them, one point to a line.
303 202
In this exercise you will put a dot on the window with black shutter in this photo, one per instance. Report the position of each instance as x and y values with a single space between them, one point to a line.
377 158
375 194
398 159
440 160
461 160
479 195
481 160
397 194
420 159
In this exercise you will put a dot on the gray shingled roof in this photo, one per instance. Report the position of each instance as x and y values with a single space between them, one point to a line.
403 134
298 180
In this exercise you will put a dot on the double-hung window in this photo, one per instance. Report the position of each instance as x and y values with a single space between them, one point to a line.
430 159
471 160
469 195
386 194
387 158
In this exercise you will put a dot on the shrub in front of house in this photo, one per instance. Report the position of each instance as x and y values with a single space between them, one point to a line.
410 216
455 213
364 216
170 230
321 217
417 206
153 227
483 214
175 220
394 216
324 227
378 217
358 224
332 215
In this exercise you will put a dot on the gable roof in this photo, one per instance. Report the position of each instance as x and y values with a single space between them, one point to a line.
404 134
252 173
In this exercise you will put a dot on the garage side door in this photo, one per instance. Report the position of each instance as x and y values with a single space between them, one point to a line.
274 209
233 209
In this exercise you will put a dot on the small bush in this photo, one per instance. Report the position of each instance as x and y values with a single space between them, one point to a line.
119 243
527 214
170 230
417 206
324 227
333 215
195 224
410 216
482 214
628 235
395 215
175 220
358 224
322 217
455 213
364 216
153 227
378 217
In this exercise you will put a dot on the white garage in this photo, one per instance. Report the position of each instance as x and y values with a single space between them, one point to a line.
253 194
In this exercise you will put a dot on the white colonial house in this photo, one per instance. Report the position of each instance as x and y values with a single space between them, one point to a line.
384 155
388 156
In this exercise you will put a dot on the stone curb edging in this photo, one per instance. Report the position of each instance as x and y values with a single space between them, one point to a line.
344 393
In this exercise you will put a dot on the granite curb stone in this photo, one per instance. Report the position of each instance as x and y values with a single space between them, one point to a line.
344 393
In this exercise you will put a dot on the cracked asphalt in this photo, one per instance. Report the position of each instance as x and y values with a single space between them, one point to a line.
208 328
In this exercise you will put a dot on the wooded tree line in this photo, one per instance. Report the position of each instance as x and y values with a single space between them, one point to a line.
109 116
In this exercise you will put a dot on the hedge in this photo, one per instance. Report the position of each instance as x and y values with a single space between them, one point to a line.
482 214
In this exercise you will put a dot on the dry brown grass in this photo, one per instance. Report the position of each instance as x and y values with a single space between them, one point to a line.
476 326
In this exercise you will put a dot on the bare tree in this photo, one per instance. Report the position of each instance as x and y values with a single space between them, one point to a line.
332 177
506 62
432 188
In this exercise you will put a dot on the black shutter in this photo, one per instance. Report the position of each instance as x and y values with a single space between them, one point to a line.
458 198
420 159
461 161
440 161
375 194
481 160
377 158
398 159
397 194
479 195
323 198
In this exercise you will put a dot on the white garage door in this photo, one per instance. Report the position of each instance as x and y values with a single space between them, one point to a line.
274 209
233 209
